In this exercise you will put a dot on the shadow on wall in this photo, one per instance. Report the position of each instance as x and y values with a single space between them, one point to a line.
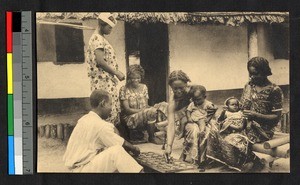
63 106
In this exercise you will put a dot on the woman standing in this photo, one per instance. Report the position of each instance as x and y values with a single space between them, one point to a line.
102 64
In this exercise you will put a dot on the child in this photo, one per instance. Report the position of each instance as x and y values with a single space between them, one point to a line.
196 111
200 110
231 118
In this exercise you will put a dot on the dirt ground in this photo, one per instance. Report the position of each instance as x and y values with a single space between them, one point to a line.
51 151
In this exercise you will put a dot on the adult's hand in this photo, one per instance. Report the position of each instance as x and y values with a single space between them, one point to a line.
115 80
167 153
250 114
120 76
136 151
168 150
131 148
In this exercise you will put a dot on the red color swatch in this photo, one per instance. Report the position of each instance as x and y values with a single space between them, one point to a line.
9 32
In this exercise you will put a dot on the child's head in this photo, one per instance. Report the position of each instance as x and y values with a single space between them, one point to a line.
232 104
198 93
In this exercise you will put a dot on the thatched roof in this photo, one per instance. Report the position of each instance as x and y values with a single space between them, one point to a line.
224 18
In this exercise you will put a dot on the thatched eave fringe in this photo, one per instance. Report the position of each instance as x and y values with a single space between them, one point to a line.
223 18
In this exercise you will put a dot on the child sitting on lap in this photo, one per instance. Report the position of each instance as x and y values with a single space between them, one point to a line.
231 118
198 111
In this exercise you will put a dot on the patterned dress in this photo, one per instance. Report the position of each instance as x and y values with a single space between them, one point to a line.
136 99
99 78
229 145
267 101
139 100
232 147
195 146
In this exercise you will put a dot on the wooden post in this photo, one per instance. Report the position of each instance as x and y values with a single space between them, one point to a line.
281 151
265 158
252 41
276 142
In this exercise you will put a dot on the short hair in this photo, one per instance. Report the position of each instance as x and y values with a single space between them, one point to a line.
135 68
261 64
98 96
231 98
178 75
196 88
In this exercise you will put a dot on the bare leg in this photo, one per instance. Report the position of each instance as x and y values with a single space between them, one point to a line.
202 125
202 143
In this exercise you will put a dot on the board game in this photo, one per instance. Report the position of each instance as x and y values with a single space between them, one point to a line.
158 163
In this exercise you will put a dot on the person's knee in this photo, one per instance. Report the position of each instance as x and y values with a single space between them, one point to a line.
184 121
192 127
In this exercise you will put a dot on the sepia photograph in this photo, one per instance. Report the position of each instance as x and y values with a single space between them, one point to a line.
163 92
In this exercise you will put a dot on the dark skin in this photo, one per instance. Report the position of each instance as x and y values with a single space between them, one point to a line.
179 89
198 100
233 106
134 80
260 81
103 110
105 29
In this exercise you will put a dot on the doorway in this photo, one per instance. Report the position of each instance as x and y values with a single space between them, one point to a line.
147 44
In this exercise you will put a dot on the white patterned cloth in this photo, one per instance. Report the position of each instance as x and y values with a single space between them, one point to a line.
100 79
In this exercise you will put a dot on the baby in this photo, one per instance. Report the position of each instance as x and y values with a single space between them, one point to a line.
200 110
231 118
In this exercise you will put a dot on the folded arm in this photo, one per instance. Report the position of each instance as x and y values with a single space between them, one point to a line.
99 53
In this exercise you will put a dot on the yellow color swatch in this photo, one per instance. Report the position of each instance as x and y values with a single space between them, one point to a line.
9 74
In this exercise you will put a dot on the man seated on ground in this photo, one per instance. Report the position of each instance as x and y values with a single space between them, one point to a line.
95 147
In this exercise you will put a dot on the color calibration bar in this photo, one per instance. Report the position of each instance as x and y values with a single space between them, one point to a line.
19 89
10 98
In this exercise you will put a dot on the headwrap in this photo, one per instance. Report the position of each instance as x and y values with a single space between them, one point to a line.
261 64
230 98
108 18
135 68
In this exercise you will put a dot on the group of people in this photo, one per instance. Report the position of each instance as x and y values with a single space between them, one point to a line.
229 137
98 142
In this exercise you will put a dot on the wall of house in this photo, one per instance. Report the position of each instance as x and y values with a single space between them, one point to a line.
71 80
216 56
280 67
212 55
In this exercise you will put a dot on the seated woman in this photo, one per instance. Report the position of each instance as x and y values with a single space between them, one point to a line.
262 106
177 119
136 112
262 101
